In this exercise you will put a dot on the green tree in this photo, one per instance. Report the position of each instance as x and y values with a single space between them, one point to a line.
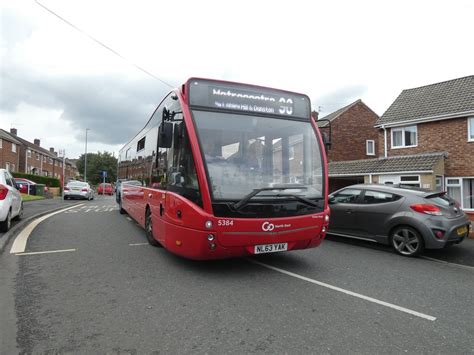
96 163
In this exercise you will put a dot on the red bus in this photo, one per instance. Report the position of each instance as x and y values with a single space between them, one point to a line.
224 169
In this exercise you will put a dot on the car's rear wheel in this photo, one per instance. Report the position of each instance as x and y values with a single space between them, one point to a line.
407 241
6 224
121 209
149 229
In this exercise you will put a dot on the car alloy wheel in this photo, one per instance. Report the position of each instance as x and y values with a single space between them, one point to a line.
407 241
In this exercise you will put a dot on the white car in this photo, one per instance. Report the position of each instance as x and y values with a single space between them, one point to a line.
11 205
78 189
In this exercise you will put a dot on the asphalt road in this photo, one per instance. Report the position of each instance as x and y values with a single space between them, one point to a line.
115 294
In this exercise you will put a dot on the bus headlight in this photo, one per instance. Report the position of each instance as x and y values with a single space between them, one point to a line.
326 219
208 224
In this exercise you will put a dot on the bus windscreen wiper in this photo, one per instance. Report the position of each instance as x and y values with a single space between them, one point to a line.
247 198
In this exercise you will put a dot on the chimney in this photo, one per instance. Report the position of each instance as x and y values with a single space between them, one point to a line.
37 142
13 131
51 150
315 115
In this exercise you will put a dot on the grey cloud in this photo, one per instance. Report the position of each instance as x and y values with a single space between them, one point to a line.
336 99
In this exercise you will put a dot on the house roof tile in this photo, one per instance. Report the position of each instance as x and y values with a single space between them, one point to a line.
405 163
436 100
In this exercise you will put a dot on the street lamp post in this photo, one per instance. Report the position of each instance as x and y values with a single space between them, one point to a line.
85 159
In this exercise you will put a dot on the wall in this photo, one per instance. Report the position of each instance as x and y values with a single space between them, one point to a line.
441 136
349 134
6 155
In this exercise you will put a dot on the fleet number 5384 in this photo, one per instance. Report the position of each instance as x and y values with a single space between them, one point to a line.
225 222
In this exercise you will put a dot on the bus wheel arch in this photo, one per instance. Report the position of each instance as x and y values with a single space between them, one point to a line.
149 228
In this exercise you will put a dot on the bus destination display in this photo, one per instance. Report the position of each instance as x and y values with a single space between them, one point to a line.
241 98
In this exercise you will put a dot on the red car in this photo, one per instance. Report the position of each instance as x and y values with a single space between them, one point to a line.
23 184
105 189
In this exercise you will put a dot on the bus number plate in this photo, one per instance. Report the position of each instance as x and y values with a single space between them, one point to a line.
270 248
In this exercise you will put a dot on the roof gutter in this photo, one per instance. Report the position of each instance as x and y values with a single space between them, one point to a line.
384 173
426 119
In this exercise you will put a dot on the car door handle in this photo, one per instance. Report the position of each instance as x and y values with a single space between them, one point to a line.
349 211
150 195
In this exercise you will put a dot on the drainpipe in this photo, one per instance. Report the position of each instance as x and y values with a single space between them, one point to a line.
370 178
384 141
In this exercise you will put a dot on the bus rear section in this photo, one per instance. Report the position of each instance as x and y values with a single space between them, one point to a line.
236 170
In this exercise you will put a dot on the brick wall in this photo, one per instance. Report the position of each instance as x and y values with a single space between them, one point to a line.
349 134
448 136
7 156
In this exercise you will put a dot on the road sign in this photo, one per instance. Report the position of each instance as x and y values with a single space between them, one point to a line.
104 174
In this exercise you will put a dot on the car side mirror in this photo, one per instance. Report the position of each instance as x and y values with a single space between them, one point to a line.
17 187
332 200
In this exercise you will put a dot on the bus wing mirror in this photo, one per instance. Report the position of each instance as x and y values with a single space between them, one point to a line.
326 141
165 135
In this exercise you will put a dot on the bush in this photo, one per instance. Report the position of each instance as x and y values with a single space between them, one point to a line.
50 182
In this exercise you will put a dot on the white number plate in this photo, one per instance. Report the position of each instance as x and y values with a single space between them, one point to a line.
270 248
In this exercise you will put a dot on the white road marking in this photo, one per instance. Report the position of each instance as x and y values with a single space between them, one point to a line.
137 244
19 245
347 292
129 219
448 263
46 252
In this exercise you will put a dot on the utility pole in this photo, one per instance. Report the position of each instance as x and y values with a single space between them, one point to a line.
85 159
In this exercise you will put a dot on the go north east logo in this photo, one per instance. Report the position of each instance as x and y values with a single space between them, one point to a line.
269 227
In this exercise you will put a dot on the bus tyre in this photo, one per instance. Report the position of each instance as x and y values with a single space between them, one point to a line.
121 210
149 229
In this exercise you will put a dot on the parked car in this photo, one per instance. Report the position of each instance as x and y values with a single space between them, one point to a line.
78 189
105 189
26 184
409 219
11 206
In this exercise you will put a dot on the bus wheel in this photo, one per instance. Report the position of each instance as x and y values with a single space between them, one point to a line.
149 229
121 210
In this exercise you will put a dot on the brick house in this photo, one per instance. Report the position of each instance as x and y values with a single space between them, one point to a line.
9 152
425 139
435 118
353 137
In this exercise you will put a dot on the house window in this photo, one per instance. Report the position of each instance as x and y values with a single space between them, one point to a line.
37 156
13 167
44 159
370 147
291 153
453 187
404 137
13 147
410 180
28 153
470 129
7 166
468 193
439 183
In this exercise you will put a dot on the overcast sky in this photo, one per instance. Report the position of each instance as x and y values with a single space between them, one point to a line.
56 82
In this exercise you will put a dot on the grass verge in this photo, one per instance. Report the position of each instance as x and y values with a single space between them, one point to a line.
26 197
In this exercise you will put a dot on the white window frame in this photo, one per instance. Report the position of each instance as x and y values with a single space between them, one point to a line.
7 166
459 184
1 143
28 153
13 147
402 129
470 133
367 143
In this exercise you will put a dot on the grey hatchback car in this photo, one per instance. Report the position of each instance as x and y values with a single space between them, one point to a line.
409 219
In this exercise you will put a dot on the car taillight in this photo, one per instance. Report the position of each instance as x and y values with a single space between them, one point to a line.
3 192
84 190
427 209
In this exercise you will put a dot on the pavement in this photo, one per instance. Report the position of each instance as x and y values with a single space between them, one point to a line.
32 210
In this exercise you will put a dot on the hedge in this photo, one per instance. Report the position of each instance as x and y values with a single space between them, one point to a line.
50 182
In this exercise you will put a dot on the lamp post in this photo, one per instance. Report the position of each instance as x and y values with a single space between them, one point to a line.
85 159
